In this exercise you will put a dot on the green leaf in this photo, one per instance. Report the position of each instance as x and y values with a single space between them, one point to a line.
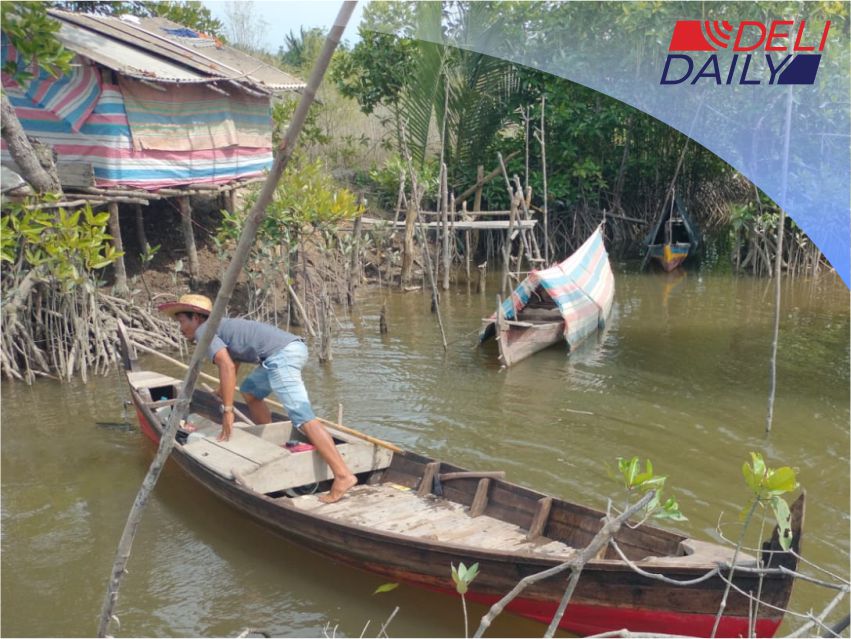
750 480
758 466
472 572
784 520
781 480
385 588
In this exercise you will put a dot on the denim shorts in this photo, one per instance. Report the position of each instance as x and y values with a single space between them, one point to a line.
281 373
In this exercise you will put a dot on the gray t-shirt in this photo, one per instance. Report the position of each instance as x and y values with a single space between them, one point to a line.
246 340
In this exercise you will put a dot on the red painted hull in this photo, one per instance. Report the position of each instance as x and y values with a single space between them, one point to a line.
590 620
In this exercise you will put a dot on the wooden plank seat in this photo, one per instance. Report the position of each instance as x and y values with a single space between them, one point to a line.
400 510
256 457
149 379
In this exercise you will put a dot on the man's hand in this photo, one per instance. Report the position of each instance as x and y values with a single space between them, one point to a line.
227 427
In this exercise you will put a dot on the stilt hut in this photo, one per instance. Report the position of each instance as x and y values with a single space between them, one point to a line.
151 109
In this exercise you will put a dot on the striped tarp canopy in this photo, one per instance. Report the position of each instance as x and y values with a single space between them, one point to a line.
582 286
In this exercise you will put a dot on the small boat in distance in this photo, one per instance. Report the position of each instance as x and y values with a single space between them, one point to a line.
411 516
570 300
673 237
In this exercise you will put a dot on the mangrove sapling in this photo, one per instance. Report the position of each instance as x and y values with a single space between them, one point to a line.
57 321
767 487
637 481
463 577
145 258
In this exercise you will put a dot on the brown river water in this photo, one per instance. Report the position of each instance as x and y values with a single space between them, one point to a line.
680 376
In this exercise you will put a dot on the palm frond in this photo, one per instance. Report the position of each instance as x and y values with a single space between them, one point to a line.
419 99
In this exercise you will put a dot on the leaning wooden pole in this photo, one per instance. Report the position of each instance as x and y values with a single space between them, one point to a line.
416 196
246 241
775 334
543 141
444 214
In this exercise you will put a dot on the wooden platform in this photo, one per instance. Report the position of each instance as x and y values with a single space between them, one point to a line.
398 509
255 455
477 224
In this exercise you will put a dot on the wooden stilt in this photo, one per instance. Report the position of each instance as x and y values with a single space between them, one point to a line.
121 288
444 205
140 229
189 237
354 265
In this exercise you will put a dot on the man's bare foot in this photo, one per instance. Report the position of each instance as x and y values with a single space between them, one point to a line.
338 489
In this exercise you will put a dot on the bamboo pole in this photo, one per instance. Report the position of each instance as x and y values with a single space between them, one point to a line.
775 334
246 241
467 249
444 205
354 262
543 141
526 200
435 300
481 180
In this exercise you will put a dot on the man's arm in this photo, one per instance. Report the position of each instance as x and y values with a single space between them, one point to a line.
218 391
227 387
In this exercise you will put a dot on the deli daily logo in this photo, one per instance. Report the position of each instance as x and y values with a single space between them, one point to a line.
775 52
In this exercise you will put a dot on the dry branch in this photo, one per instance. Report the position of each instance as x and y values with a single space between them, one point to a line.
606 533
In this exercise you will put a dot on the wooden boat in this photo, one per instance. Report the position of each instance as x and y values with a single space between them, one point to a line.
570 300
411 516
672 238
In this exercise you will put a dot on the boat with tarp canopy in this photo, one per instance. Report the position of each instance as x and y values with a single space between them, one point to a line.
570 300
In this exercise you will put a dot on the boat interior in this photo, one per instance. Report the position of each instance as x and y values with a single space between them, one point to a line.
403 493
541 310
673 231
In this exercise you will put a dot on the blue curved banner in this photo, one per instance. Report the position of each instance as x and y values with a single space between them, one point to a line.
766 90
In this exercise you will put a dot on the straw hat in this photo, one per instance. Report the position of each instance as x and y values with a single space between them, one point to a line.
187 304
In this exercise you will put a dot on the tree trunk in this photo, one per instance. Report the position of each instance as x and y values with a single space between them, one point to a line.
22 151
121 288
408 255
140 229
189 238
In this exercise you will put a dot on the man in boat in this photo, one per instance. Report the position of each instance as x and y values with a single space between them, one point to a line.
281 356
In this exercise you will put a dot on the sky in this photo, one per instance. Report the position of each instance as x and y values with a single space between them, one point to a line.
282 16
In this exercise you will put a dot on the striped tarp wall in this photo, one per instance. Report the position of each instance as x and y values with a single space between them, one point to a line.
194 117
104 140
583 287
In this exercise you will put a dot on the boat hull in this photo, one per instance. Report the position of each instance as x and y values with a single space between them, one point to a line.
516 343
637 603
670 256
569 300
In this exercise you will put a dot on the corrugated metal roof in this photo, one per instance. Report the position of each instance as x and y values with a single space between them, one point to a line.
122 58
143 47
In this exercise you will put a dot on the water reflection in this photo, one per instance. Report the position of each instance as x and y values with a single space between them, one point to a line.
679 376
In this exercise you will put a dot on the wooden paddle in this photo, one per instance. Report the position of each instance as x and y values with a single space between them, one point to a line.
340 427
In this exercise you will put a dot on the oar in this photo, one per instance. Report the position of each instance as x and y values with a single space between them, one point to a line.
340 427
